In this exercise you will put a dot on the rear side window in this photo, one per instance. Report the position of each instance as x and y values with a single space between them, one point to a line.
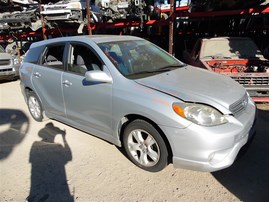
33 55
53 57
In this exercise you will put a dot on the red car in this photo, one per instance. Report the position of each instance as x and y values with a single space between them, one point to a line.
237 57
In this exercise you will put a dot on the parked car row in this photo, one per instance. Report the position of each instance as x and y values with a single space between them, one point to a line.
25 14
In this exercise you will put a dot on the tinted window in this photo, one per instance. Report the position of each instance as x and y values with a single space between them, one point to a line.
53 57
82 59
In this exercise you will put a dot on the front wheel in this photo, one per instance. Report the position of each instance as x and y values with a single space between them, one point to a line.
35 106
145 146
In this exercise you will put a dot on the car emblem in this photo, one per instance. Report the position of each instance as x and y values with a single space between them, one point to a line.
244 103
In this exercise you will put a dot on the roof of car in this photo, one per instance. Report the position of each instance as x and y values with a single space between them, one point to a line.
225 38
95 38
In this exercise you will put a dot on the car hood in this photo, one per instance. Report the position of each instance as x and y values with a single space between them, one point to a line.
5 56
192 84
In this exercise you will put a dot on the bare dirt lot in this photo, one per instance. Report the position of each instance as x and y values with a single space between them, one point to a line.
49 161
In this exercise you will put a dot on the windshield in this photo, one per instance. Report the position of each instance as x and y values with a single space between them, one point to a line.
139 58
231 48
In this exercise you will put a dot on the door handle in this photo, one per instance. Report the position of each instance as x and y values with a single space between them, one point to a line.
67 83
37 74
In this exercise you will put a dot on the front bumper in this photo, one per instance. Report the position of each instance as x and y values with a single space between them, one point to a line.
9 74
65 14
210 149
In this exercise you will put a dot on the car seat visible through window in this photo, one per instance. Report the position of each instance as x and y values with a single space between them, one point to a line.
118 62
81 65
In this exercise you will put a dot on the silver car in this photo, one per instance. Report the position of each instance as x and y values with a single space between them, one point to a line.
9 66
131 93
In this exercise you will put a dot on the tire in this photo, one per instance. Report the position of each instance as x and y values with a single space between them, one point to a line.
145 146
34 106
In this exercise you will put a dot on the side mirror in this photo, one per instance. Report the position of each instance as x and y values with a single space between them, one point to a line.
98 76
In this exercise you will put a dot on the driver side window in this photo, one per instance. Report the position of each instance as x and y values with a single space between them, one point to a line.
83 59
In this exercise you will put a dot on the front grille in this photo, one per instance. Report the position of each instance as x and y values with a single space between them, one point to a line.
245 80
57 17
4 62
239 106
6 70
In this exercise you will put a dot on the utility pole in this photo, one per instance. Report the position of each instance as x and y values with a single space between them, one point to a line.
88 17
42 21
171 27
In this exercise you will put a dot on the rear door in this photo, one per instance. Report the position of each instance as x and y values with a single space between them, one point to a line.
88 105
46 80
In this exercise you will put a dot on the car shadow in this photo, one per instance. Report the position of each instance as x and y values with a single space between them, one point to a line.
8 80
248 177
14 125
48 159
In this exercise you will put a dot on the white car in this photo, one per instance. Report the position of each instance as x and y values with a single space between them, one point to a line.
71 10
9 66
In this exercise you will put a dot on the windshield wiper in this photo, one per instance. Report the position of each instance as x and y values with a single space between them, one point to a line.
169 67
143 72
162 69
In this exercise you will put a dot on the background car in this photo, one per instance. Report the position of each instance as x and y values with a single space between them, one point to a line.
71 10
131 93
9 66
237 57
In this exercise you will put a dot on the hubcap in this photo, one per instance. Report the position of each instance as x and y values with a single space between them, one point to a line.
143 148
34 107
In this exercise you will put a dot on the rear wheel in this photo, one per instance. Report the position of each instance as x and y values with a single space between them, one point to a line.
35 106
145 146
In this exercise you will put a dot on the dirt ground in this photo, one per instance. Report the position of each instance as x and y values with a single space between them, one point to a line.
49 161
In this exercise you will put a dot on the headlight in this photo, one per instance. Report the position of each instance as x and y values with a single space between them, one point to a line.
200 114
15 61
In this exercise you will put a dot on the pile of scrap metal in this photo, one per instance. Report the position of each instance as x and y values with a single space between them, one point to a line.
217 5
101 10
112 11
26 14
23 14
69 10
19 14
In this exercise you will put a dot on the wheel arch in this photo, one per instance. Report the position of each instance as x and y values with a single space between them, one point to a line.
131 117
27 90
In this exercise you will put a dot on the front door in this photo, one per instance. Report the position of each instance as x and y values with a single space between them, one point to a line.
88 105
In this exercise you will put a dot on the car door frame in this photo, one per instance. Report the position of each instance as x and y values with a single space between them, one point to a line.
50 112
102 131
